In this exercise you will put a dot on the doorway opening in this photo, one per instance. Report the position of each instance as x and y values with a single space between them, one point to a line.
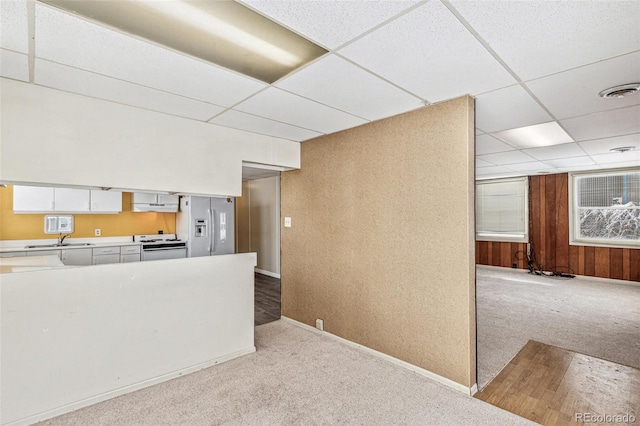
258 230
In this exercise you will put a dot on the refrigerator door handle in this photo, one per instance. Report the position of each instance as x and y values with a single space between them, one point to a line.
210 237
214 228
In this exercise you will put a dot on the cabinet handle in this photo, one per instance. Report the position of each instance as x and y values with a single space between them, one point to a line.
53 205
107 251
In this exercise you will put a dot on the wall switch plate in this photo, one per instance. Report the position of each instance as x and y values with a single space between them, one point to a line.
320 324
98 232
287 222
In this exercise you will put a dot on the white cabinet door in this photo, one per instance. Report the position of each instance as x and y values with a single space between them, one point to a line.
106 258
106 201
32 199
126 258
77 256
167 199
71 200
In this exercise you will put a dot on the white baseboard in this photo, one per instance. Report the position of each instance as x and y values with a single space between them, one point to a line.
419 370
127 389
582 277
267 273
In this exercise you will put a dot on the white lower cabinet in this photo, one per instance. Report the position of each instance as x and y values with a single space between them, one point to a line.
104 255
81 256
46 253
129 254
13 254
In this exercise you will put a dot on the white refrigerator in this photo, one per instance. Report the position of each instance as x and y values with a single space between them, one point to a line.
207 225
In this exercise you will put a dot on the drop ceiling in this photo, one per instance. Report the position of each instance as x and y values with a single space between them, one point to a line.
526 63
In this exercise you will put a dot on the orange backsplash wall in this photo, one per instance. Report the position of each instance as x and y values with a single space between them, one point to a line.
31 226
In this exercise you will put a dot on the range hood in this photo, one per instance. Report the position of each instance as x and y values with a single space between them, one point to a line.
147 202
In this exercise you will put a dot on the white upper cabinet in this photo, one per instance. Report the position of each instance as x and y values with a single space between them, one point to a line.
106 201
32 199
71 200
35 199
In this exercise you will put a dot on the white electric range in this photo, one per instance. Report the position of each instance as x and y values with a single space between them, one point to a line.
161 246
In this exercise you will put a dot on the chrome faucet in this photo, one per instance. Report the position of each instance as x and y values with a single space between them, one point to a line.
61 238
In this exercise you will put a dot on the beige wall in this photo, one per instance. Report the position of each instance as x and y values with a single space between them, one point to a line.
258 220
382 243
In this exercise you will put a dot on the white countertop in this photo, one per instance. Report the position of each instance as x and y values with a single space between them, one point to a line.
32 263
21 245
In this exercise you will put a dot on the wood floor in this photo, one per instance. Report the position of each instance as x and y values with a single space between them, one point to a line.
553 386
267 299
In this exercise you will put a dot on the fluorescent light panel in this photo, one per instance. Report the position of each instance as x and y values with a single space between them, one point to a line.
225 33
534 136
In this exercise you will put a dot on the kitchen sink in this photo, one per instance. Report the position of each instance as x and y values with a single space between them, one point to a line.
60 245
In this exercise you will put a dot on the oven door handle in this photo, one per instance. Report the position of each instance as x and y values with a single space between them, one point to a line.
165 248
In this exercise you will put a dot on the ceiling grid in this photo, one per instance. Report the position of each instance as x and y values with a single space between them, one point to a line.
526 63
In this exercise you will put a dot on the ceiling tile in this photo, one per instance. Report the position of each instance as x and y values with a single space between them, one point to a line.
288 108
14 30
616 122
330 23
479 132
570 162
492 170
618 157
251 123
555 151
582 168
503 158
603 146
508 108
14 65
72 41
342 85
98 86
573 93
487 144
430 53
537 38
625 164
482 163
529 167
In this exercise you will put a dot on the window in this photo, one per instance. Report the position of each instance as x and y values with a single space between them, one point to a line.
502 210
605 208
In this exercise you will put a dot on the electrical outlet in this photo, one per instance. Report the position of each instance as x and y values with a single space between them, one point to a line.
98 232
320 324
514 265
287 222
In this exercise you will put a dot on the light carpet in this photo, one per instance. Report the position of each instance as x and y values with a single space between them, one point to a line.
592 317
296 377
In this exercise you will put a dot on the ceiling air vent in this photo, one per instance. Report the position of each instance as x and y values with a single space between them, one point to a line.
620 91
623 149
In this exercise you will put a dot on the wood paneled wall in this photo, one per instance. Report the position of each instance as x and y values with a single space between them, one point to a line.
550 236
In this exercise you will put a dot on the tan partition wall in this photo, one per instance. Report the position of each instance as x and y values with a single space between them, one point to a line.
382 239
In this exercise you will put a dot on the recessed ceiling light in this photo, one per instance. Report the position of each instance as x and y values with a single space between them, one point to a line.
621 91
225 33
534 136
623 149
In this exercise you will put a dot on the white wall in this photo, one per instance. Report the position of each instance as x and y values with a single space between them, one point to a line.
258 222
53 137
75 336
